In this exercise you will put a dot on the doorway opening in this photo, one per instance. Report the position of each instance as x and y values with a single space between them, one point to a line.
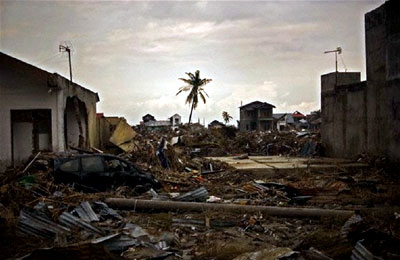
30 133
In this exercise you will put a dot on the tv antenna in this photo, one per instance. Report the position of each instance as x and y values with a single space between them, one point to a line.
66 46
337 51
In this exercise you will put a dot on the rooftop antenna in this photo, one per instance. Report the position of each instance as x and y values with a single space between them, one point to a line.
337 51
344 65
67 47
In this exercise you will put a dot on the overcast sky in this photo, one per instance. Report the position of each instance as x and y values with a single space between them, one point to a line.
132 53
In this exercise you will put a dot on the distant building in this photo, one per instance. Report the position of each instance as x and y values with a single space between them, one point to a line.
283 121
287 121
316 124
175 121
148 118
256 116
215 124
150 123
42 111
297 116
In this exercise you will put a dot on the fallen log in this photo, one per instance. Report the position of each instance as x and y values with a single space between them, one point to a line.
200 207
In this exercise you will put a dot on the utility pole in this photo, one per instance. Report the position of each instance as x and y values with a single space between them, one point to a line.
337 51
67 48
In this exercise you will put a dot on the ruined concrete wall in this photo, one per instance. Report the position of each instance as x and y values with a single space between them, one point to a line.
382 30
354 119
24 87
343 112
365 117
89 99
328 81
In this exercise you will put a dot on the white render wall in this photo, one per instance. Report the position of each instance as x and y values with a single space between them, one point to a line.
25 87
23 93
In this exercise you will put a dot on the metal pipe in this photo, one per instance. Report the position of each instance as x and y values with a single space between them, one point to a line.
133 204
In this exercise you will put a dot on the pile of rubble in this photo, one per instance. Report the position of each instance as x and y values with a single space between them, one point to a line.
174 149
202 209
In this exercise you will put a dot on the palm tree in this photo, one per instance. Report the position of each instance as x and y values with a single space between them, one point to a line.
195 85
227 117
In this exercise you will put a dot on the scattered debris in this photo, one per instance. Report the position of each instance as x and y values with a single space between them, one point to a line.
35 223
123 136
272 253
104 211
204 207
351 225
70 221
362 253
30 163
199 195
86 212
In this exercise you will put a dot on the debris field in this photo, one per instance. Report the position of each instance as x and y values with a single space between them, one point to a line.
222 194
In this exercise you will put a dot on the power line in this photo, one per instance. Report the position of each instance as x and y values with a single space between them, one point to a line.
47 59
344 65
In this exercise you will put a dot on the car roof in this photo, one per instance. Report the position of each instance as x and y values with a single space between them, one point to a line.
73 156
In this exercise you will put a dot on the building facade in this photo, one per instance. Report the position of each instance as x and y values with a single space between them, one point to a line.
256 116
42 111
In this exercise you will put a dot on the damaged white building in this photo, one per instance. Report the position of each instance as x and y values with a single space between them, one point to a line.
42 111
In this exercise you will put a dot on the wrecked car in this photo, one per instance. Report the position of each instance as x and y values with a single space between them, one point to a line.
101 172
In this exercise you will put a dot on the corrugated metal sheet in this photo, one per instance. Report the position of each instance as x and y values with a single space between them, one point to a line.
134 230
85 212
117 242
71 221
105 211
362 253
30 223
199 194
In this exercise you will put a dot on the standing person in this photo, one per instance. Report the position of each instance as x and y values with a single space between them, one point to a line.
160 153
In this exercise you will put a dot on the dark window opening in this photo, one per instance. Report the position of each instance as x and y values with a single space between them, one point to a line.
70 166
92 164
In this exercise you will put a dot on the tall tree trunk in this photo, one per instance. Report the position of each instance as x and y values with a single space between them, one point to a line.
191 111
